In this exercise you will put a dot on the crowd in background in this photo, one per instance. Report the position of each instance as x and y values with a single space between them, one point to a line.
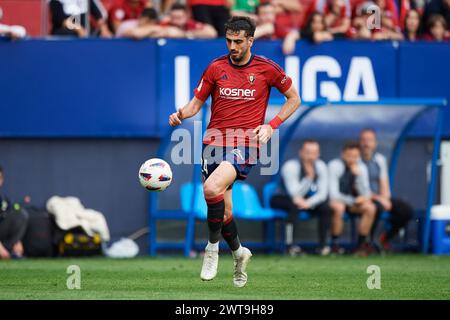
290 20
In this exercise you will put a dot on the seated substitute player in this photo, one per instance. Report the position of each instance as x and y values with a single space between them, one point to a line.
401 212
304 187
13 224
240 85
349 191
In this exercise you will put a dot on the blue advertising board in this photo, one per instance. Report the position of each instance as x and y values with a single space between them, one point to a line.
77 88
126 88
424 71
326 71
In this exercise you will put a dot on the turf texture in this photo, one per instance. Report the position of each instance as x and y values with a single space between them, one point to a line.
270 277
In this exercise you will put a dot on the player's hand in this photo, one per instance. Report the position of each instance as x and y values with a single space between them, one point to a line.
175 118
174 32
263 133
18 249
4 254
301 203
27 199
355 169
385 202
360 200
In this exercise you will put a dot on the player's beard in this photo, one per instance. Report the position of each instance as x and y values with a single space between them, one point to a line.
238 58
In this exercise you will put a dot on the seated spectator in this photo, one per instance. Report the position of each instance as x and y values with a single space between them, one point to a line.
390 27
360 27
178 25
123 10
146 26
266 28
245 8
355 6
436 29
389 14
441 7
289 42
316 30
69 18
337 15
163 6
291 14
406 6
388 8
212 12
304 186
376 164
412 27
365 25
387 30
13 32
349 190
13 224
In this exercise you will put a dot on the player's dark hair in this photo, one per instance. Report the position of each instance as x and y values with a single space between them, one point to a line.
307 32
1 169
238 23
419 29
368 129
349 145
149 13
434 19
306 141
262 5
178 6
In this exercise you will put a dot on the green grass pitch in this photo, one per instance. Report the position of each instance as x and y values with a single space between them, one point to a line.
270 277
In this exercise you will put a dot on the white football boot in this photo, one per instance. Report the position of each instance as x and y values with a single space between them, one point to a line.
241 260
210 262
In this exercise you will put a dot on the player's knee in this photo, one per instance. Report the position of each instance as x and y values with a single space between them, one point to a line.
369 209
337 208
228 207
211 189
227 214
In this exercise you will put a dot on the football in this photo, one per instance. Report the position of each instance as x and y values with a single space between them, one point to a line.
155 175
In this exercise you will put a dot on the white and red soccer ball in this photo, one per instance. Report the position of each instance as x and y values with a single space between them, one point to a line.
155 175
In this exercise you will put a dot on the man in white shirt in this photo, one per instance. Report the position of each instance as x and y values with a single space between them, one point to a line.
13 32
304 186
401 212
349 191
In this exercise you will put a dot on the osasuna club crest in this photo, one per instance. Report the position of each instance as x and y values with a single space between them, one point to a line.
251 78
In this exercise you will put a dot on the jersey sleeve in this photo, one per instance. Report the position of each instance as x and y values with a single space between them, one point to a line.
383 166
206 84
278 78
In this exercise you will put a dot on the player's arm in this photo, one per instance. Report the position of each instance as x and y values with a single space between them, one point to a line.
201 93
385 191
264 132
385 195
189 110
292 103
138 33
205 32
